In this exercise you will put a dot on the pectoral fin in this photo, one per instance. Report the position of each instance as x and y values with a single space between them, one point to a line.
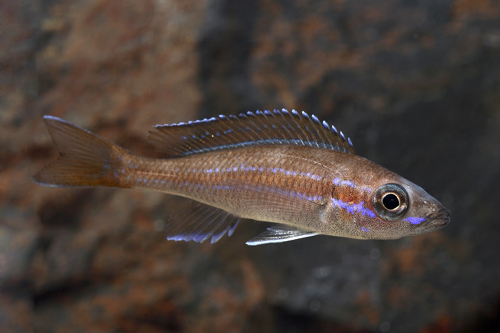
280 234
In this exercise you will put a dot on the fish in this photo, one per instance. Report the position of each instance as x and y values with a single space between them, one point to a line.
280 166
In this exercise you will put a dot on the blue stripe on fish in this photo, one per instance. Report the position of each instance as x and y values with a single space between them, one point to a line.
354 208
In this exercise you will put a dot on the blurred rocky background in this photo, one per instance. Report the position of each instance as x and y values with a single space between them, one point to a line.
415 84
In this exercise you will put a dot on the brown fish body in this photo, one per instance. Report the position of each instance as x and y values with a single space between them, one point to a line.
239 181
245 181
309 189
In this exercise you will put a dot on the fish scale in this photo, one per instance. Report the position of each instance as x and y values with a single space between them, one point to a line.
283 167
252 168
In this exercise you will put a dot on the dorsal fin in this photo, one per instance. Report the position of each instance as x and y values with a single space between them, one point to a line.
250 129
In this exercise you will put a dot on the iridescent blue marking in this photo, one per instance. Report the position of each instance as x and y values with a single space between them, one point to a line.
414 220
221 187
273 170
338 182
300 195
365 229
353 208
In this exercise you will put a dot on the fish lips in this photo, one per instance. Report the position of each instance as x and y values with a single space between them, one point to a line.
440 219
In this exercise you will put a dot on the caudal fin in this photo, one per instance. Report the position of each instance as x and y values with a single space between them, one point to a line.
85 158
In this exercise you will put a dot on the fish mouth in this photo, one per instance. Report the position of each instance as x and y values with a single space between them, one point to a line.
441 218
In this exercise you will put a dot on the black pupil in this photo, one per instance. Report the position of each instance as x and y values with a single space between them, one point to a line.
390 201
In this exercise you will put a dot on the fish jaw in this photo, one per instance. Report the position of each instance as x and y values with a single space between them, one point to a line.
426 214
441 219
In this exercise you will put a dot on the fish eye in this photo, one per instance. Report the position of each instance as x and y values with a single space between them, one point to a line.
390 201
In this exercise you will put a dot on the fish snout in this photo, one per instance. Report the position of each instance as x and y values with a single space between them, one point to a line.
440 218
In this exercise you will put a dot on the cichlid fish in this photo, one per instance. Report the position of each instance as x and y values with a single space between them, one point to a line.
274 166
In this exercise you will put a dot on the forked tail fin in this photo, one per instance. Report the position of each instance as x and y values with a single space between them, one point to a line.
85 158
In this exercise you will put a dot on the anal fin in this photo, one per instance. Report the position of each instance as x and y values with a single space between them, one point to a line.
198 222
280 234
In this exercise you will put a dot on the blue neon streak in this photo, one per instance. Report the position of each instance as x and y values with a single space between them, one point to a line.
338 182
353 208
415 220
275 170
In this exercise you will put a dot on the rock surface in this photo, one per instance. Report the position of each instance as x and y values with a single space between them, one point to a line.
415 84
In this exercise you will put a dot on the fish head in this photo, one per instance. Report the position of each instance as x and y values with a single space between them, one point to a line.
375 203
401 208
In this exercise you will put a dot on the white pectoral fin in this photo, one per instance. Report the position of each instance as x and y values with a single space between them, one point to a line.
280 234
